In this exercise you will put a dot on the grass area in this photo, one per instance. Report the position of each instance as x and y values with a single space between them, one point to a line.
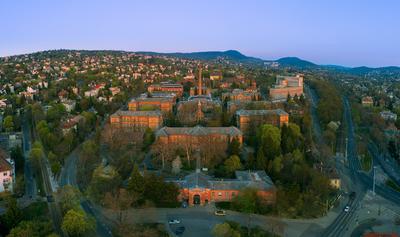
243 231
366 162
390 183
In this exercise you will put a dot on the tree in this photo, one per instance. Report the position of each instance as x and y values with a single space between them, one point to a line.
8 123
33 228
261 163
234 147
104 179
36 155
77 223
224 230
246 202
120 201
13 214
148 138
69 198
136 181
291 138
269 139
232 164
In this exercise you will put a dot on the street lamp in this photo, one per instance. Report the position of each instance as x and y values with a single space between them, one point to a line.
373 181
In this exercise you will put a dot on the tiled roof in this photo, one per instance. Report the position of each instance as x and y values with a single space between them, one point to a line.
151 99
136 113
198 130
261 112
4 165
244 179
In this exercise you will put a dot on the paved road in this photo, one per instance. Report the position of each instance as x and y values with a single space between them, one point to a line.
361 181
314 116
30 182
68 177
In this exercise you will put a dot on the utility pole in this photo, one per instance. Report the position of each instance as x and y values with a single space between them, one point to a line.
373 182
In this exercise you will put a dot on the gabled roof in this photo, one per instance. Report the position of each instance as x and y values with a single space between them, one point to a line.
198 131
4 165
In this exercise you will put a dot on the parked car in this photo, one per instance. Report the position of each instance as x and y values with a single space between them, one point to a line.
220 213
347 209
175 221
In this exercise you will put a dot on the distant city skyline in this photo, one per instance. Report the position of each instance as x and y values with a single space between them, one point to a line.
356 33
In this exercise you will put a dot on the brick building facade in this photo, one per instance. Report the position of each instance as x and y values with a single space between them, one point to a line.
163 104
197 135
139 119
201 189
250 119
166 87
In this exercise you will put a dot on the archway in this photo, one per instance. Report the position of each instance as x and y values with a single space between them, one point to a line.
196 199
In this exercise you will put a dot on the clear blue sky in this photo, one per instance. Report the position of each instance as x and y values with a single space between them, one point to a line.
346 32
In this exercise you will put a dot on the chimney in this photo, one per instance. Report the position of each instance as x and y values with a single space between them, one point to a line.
199 86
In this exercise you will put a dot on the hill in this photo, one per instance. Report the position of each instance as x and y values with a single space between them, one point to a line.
232 55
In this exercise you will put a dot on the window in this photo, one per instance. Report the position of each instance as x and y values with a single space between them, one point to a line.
219 194
5 174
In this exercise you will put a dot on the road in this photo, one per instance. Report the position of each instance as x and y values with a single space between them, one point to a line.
361 181
315 121
30 182
68 177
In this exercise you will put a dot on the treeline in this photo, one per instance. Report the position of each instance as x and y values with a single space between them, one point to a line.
330 104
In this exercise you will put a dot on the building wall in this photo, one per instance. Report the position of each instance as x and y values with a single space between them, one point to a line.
282 93
246 122
165 106
177 90
153 122
209 195
6 181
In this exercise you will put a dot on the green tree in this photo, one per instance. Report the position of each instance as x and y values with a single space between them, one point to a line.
105 179
291 138
269 139
13 214
77 223
261 163
69 198
232 164
8 123
148 138
234 147
36 155
136 181
246 202
33 228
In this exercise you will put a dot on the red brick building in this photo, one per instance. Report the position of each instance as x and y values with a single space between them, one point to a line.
166 87
241 95
250 119
139 119
159 103
197 135
201 189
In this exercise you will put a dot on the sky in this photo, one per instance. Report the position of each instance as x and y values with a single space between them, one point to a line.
340 32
